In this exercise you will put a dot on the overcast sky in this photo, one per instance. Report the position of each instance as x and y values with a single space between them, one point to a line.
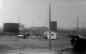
36 12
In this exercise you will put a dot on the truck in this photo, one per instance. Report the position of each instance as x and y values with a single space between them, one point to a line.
78 42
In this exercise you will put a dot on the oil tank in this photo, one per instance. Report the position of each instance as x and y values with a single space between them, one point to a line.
11 27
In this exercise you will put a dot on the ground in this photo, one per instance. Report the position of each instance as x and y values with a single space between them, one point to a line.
14 44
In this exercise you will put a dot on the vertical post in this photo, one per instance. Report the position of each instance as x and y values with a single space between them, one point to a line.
19 18
83 27
77 26
49 26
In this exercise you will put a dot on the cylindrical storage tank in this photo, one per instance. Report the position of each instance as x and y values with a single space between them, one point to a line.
11 27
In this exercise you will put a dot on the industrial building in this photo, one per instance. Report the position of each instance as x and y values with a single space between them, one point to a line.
11 28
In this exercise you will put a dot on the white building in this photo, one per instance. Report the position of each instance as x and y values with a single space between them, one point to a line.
53 35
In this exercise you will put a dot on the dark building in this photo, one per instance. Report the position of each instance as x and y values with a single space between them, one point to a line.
11 27
53 26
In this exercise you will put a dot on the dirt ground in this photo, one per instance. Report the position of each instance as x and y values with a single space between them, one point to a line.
13 43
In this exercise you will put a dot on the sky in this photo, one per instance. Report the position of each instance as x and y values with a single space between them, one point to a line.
36 12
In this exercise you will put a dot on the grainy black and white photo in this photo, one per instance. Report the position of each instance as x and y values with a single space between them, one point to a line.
42 26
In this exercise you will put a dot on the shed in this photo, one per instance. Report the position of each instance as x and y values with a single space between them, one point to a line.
53 35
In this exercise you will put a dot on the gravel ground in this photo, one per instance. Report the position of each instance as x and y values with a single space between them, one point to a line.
12 43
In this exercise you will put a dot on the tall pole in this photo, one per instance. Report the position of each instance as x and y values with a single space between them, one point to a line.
19 21
49 26
77 25
83 27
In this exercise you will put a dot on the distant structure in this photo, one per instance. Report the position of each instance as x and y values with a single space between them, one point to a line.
53 35
53 26
53 30
11 27
21 27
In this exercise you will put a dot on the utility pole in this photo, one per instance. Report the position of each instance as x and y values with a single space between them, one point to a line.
19 21
77 26
50 26
83 28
